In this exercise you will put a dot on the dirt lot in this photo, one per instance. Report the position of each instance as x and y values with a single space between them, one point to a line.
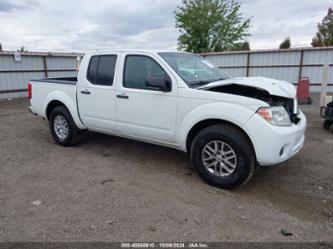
113 189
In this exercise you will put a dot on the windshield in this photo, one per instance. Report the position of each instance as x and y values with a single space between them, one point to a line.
193 69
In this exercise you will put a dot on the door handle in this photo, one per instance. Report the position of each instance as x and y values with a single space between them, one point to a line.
87 92
122 96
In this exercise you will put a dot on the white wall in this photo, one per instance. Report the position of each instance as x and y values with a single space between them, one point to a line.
15 75
283 64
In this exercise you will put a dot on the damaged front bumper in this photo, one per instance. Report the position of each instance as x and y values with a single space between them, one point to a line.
273 144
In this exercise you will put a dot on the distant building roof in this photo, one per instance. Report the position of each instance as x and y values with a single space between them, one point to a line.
269 50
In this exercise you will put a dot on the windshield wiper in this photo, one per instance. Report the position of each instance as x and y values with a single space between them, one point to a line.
200 83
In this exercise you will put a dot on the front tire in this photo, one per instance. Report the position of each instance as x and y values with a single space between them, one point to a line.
62 127
327 124
223 156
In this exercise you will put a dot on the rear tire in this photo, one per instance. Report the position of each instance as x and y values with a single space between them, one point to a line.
223 156
62 127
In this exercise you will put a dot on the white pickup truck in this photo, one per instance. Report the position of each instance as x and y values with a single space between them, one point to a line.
228 126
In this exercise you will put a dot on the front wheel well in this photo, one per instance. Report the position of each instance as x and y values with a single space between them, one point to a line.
209 122
53 104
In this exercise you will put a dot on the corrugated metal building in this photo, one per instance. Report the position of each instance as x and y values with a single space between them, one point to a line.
287 64
283 64
16 69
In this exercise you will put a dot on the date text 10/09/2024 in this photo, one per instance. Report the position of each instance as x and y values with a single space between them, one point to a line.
164 245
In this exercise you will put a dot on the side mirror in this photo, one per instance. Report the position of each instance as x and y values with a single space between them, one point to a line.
158 83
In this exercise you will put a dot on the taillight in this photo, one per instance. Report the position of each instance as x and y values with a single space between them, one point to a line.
29 90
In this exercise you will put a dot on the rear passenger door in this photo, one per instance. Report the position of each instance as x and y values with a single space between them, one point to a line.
96 93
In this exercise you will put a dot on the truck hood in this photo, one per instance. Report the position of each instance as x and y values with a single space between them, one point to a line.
272 86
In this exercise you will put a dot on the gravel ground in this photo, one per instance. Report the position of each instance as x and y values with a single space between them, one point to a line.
113 189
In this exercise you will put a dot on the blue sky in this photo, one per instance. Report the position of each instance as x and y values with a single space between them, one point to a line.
84 25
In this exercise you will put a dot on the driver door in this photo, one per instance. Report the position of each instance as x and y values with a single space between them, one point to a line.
141 111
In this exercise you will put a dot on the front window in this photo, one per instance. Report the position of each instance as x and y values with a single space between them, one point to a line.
138 69
193 69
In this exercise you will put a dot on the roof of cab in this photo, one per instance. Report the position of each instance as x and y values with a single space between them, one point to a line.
151 51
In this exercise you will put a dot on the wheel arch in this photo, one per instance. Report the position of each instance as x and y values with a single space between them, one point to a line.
53 104
58 98
199 126
208 114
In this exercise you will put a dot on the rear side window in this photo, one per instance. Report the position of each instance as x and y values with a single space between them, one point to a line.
92 70
101 70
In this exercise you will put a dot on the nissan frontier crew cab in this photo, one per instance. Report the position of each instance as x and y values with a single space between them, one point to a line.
228 126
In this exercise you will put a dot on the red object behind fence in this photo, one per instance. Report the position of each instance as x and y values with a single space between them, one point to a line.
303 90
29 90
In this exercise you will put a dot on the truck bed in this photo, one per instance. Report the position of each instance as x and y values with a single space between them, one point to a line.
48 89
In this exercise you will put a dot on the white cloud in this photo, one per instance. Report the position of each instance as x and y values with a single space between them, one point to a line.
88 25
275 20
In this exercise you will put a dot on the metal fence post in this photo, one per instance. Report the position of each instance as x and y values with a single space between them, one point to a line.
301 65
248 65
324 85
45 66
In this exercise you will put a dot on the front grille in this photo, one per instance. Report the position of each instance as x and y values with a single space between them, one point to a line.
291 108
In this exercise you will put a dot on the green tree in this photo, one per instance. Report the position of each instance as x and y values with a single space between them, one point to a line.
22 49
324 36
285 44
210 25
0 47
242 46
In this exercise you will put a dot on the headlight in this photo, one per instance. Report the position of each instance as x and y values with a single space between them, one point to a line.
276 115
